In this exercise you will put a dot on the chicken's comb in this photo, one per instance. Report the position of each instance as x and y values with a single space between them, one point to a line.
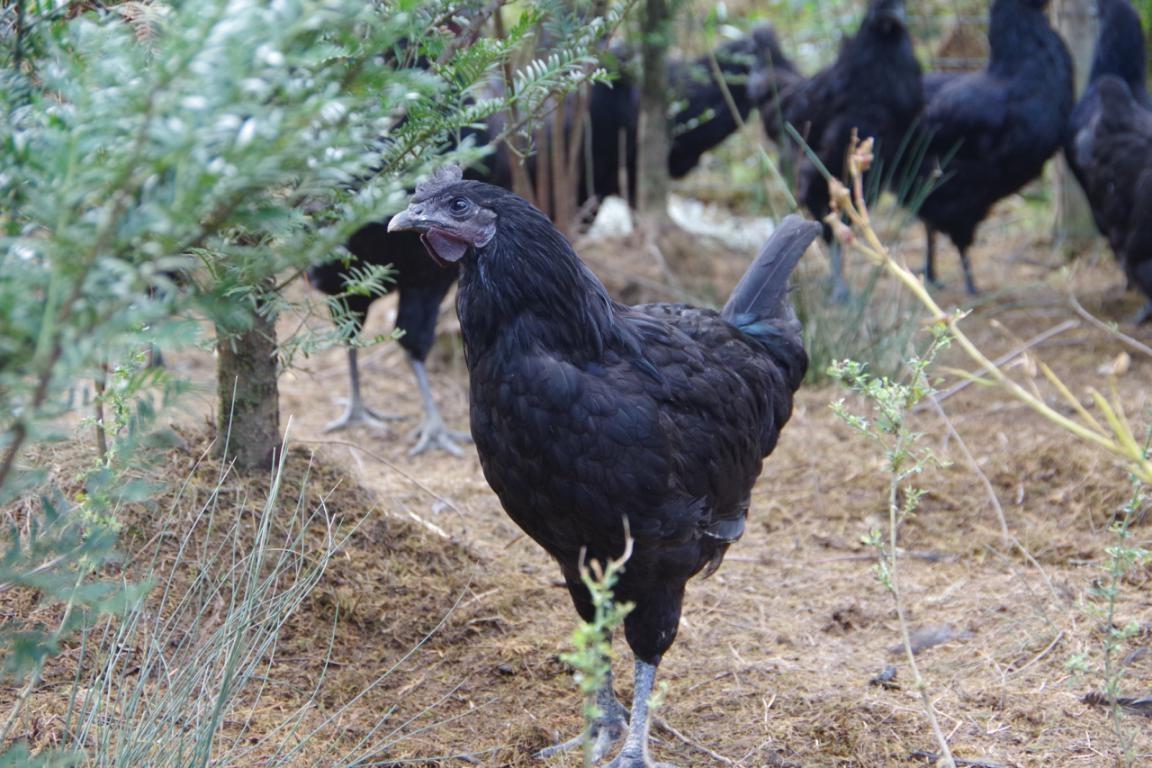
443 176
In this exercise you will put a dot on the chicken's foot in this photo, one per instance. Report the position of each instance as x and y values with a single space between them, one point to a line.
432 432
356 412
635 751
605 733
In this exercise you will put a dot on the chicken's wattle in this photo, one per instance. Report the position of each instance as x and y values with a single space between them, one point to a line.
444 247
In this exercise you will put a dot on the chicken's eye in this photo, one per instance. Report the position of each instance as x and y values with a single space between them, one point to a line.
459 205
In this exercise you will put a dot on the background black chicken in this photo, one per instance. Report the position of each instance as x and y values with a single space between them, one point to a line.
1099 148
1114 152
702 120
705 117
420 287
873 87
587 413
991 132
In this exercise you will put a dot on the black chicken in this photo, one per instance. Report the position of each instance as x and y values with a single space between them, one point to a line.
421 288
702 120
1119 52
991 132
588 414
1114 153
704 117
873 87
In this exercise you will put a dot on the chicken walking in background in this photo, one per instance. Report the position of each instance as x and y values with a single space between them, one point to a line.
588 414
1119 52
1109 144
1115 154
707 111
873 88
991 132
421 288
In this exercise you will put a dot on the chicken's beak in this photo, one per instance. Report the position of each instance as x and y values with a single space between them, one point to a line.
408 219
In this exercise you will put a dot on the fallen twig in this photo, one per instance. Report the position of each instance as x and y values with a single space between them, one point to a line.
663 725
931 758
1003 360
1055 641
391 465
1139 346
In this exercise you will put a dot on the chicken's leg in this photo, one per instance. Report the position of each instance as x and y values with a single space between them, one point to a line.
1140 277
432 433
356 412
1143 315
608 729
635 751
969 283
930 257
840 291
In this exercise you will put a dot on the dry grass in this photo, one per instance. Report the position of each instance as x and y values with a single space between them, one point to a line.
776 651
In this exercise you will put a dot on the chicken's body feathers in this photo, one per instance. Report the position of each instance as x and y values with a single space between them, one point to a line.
587 413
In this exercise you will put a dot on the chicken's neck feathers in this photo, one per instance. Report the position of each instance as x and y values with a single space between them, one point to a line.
1015 32
529 287
1120 49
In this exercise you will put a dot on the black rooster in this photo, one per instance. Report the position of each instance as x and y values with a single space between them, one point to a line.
991 132
588 414
873 87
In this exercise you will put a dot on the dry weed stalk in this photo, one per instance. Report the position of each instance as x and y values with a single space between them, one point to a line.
892 403
1115 436
762 155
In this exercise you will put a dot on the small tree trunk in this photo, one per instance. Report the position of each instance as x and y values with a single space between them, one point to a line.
248 420
1076 22
654 139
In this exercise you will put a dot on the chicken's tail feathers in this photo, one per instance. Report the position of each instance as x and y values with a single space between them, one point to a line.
759 295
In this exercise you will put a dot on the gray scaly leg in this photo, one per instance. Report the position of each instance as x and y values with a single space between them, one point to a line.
1143 315
357 412
432 433
605 733
969 283
635 751
930 258
840 291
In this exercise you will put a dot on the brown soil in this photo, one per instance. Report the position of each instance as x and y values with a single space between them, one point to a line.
777 650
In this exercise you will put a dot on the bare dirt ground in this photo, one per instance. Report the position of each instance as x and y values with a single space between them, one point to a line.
777 650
